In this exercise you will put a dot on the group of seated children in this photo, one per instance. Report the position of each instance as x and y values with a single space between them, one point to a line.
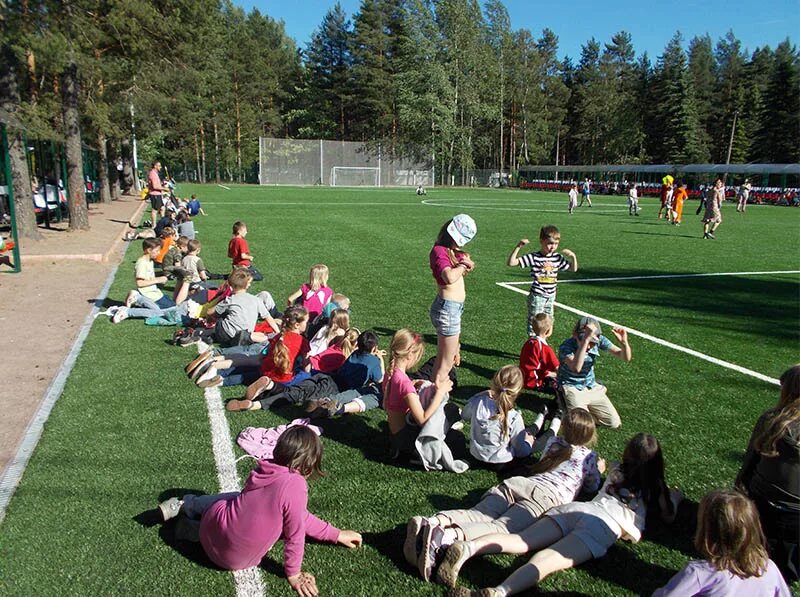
311 355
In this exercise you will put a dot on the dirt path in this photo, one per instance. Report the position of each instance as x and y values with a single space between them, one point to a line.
48 302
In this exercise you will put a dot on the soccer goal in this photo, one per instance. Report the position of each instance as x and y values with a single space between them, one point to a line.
352 176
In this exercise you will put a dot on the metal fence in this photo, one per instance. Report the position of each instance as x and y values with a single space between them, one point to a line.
337 163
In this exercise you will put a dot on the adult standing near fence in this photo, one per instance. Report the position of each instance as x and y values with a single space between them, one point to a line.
713 216
744 195
449 265
155 192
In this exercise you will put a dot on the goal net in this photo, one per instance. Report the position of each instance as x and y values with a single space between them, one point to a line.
355 176
339 163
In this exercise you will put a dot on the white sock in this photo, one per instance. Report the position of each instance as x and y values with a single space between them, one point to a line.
501 590
539 421
450 536
555 425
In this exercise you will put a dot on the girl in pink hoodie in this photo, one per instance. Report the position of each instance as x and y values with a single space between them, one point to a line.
237 529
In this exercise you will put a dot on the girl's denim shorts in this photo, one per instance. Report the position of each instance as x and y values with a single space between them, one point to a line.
446 316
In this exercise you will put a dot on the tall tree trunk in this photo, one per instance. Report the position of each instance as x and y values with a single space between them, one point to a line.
238 132
127 167
203 152
21 181
78 210
111 170
102 168
197 156
216 141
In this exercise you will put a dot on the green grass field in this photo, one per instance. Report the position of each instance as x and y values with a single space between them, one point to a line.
131 430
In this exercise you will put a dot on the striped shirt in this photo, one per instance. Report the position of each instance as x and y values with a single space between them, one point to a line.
544 271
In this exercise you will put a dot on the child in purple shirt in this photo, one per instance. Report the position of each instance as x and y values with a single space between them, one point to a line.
237 529
736 563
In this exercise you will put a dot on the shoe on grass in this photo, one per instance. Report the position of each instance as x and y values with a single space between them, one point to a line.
119 315
430 553
456 556
411 545
170 508
203 368
193 364
238 405
311 405
212 382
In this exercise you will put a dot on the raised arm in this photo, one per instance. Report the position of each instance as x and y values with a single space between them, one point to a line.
624 353
572 258
513 259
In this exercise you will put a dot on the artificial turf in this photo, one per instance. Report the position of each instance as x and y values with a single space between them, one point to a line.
130 430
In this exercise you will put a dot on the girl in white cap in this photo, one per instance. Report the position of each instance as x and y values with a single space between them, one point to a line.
449 265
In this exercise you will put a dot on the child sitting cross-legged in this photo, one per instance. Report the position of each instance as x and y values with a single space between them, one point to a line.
237 529
238 314
537 359
338 325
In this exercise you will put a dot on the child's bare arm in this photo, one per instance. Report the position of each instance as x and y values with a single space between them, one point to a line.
573 259
293 297
513 259
142 282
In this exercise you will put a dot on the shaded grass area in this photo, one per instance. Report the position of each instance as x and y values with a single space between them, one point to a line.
130 430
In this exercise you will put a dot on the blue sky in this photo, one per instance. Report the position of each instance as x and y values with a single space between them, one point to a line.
650 23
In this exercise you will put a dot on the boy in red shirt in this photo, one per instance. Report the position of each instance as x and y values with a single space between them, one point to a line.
537 360
239 251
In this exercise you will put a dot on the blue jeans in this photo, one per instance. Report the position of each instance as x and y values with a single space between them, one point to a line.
446 316
145 307
370 396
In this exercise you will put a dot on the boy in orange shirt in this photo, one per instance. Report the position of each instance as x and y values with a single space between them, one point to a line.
677 203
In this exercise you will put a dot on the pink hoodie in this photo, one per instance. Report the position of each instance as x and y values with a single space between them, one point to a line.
238 533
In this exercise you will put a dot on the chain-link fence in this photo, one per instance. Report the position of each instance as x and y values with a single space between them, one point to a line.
337 163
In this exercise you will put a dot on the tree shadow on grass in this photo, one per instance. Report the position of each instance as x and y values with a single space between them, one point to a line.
695 236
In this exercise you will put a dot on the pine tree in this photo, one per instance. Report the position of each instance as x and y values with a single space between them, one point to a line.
780 126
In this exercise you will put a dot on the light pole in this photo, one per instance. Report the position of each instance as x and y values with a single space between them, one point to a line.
730 145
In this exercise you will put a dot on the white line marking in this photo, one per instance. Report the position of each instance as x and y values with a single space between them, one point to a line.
665 276
248 582
660 341
13 472
533 209
224 187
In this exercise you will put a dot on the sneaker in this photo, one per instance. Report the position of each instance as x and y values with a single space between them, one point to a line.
213 382
201 369
457 426
119 315
189 340
711 236
311 405
170 508
430 552
202 346
456 556
238 405
187 530
326 408
108 312
194 364
206 375
413 538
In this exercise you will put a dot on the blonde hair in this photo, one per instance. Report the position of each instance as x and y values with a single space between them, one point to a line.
340 299
406 344
318 276
577 429
347 341
785 414
506 386
542 323
291 320
729 534
338 325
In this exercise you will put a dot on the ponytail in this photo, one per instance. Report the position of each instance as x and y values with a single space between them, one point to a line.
506 386
280 352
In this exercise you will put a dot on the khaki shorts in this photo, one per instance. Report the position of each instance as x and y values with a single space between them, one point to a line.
596 401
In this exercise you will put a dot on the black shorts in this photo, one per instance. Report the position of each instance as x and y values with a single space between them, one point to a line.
156 201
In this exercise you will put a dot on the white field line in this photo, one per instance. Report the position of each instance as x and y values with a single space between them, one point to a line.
663 276
660 341
526 209
248 582
222 186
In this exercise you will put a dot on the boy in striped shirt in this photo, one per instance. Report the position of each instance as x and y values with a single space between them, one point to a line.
544 265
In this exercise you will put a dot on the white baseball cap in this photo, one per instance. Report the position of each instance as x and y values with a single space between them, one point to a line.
462 229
